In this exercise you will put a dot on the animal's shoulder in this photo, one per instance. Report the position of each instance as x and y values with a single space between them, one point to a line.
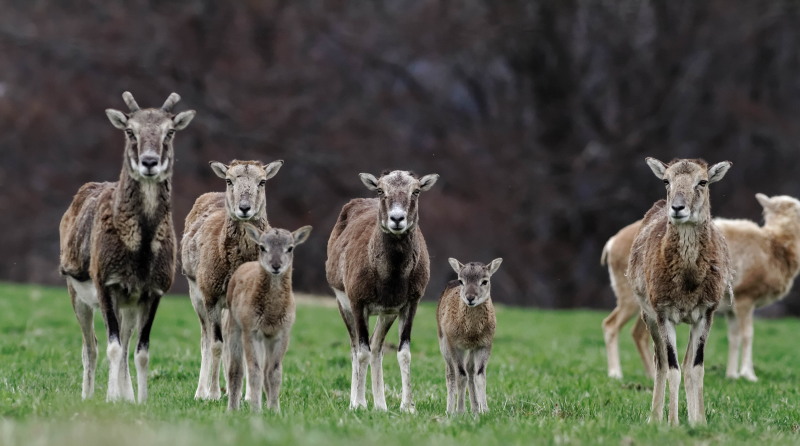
205 205
358 212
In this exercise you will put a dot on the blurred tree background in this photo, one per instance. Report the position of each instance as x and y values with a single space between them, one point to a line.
536 114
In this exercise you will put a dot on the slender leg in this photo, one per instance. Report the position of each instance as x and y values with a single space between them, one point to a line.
129 320
254 371
734 341
461 379
404 355
85 315
142 357
667 331
449 375
233 353
480 359
215 319
744 313
642 340
345 310
275 371
660 363
382 326
205 345
362 355
693 365
611 328
473 393
114 347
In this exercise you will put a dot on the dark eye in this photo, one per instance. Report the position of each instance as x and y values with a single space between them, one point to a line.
289 249
380 192
416 192
262 248
702 183
130 134
484 282
170 133
228 182
666 182
461 282
262 183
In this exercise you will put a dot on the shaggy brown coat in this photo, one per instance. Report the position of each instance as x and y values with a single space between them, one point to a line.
680 270
260 316
464 327
378 265
118 248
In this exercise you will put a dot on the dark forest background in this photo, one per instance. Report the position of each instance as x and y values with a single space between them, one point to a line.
536 114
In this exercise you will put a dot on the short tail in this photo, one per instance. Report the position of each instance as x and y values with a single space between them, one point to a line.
606 249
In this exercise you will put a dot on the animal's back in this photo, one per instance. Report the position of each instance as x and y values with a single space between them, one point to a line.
763 267
350 237
208 211
75 229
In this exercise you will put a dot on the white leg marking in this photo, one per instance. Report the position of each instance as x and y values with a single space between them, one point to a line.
114 353
404 359
142 359
362 357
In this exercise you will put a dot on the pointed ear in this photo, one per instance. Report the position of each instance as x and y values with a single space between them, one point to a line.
301 235
273 168
117 118
657 167
427 182
182 119
455 264
218 168
369 180
717 171
253 233
763 200
494 265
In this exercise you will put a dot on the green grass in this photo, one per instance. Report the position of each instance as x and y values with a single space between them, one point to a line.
547 384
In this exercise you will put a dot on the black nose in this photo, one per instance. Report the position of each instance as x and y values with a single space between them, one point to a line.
276 267
149 162
470 299
678 208
397 219
244 207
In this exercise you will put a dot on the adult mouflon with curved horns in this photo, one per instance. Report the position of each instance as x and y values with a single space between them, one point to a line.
118 245
378 265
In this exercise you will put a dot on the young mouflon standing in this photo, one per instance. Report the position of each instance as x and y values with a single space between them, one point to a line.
118 245
466 323
261 312
680 270
378 265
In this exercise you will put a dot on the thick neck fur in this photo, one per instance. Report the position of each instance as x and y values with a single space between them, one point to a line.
234 230
270 285
393 256
681 248
144 204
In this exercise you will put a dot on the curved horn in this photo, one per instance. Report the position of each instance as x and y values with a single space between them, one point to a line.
171 100
130 102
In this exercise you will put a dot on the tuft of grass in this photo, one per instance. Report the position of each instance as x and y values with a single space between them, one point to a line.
546 384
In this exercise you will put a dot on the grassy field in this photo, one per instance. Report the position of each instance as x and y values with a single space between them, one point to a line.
547 384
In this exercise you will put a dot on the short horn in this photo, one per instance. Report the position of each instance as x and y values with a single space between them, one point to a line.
171 101
130 102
